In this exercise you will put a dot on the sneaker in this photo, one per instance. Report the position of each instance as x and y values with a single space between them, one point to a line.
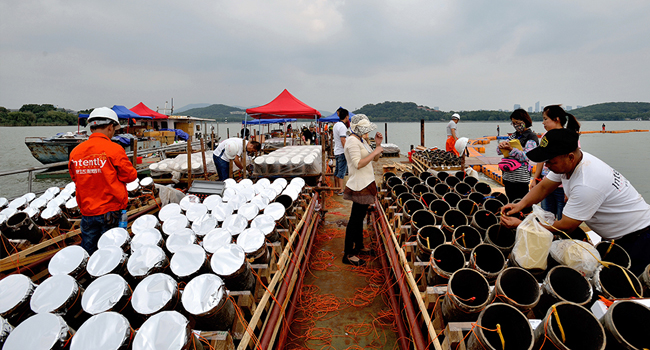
340 193
353 260
367 251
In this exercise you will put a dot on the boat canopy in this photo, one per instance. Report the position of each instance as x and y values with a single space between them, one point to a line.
143 110
332 118
122 113
285 105
268 121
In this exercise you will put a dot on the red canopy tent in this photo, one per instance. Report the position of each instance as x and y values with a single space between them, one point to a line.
143 110
285 105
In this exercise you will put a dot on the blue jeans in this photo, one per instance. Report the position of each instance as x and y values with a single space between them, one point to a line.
92 227
341 166
554 202
223 167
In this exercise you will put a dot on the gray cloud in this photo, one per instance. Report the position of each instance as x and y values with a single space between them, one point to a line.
457 55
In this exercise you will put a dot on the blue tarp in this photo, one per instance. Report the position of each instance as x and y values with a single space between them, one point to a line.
122 113
332 118
268 121
179 133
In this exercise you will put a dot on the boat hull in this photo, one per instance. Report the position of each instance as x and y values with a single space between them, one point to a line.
48 152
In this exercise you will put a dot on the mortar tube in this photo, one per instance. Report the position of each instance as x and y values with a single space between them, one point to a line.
492 205
412 181
445 260
517 287
431 182
626 324
442 176
411 206
424 175
451 220
478 198
274 312
581 329
428 238
406 175
451 198
452 181
488 261
468 293
440 189
420 189
470 180
482 220
466 238
563 284
482 188
420 219
644 278
427 198
513 325
463 189
614 283
416 331
467 207
501 237
612 252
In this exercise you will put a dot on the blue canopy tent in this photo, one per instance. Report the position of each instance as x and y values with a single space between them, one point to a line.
122 113
268 121
332 118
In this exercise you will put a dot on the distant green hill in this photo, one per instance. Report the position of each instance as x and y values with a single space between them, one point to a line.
217 112
613 111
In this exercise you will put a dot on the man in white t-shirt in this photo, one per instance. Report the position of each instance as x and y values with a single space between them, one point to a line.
231 150
598 195
339 134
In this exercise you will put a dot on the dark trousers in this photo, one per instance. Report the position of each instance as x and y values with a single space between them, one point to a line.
637 245
515 190
354 231
92 228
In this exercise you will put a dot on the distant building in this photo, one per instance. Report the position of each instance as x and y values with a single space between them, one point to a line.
517 106
568 108
578 106
500 110
537 107
530 109
237 112
436 108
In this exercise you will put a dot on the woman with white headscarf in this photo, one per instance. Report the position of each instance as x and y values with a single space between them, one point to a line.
360 188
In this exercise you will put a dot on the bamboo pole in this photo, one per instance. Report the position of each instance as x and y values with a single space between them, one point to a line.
205 168
189 164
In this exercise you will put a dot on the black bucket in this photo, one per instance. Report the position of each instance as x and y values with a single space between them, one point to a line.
501 237
581 329
393 181
488 260
468 293
427 198
420 219
441 175
612 252
445 260
482 188
419 189
451 220
517 287
626 325
54 216
441 189
482 220
478 198
429 238
21 226
399 189
466 238
431 182
500 196
424 175
412 181
452 181
614 283
463 189
439 207
229 262
470 180
411 206
492 205
563 283
515 330
467 206
451 198
406 175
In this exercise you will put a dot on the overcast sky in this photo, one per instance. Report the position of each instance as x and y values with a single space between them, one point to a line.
455 55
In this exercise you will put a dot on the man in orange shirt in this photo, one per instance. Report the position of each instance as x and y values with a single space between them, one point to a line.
100 169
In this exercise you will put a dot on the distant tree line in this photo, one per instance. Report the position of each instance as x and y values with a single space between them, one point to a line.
36 115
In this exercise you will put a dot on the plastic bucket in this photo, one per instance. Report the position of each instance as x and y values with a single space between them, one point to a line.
614 283
626 325
581 329
420 219
488 260
467 206
482 220
441 189
515 329
501 237
451 198
468 293
517 287
466 238
463 189
612 252
428 238
452 219
482 188
563 284
445 260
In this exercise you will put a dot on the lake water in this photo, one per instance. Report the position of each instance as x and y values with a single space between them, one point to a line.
626 153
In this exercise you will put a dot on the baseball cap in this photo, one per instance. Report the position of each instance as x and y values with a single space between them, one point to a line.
555 143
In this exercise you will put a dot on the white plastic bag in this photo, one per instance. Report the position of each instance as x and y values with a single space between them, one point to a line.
533 241
575 254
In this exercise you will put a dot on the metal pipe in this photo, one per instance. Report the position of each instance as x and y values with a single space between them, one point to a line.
401 328
297 287
274 314
418 338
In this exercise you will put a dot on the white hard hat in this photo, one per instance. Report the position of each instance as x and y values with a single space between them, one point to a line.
460 145
455 116
103 115
231 150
